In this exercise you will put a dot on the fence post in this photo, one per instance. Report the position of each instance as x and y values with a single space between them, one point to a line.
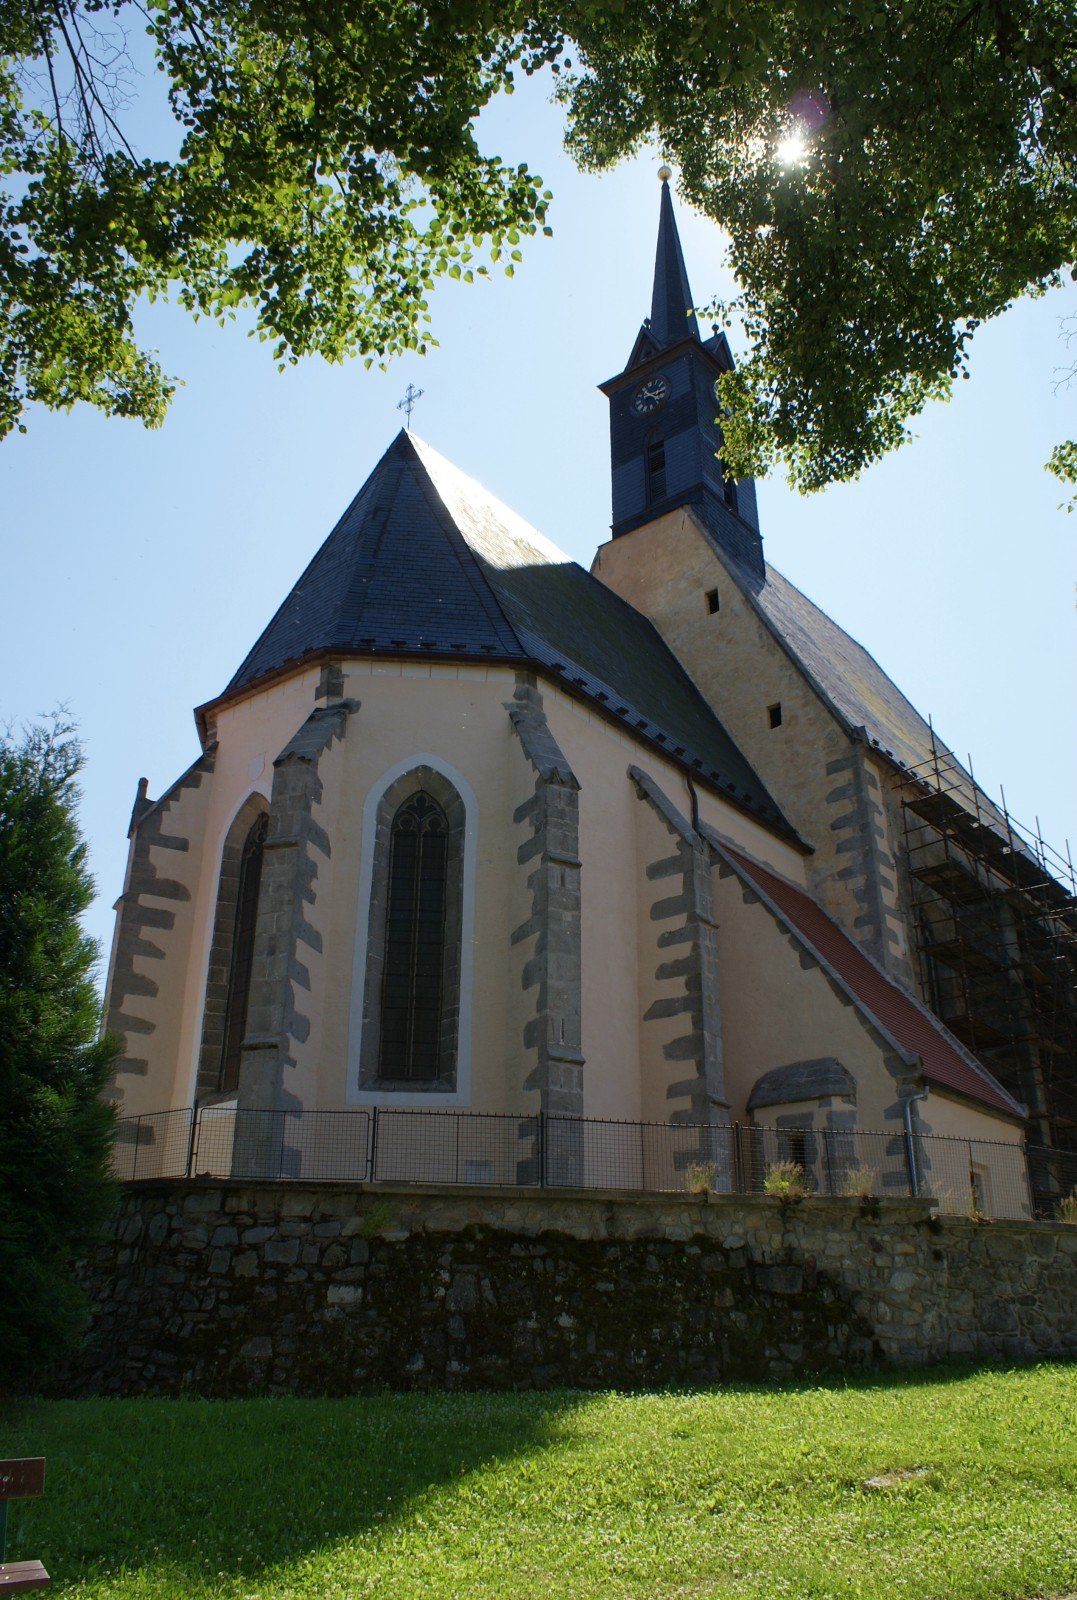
191 1141
1028 1178
138 1141
738 1163
373 1143
542 1149
280 1145
826 1132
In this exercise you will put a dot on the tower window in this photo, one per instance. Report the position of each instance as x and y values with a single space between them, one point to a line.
729 489
713 601
774 714
654 455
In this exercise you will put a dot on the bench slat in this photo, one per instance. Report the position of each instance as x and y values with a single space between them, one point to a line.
22 1480
18 1576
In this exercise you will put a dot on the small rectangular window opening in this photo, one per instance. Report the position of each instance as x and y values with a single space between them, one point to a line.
774 714
656 469
713 601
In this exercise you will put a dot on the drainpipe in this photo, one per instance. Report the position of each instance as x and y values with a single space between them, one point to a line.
907 1103
695 803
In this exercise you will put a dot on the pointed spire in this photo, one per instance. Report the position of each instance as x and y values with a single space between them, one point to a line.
672 316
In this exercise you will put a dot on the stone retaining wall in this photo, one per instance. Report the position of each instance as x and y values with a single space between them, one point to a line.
220 1287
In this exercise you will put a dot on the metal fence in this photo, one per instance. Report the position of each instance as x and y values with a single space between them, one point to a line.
460 1148
1053 1177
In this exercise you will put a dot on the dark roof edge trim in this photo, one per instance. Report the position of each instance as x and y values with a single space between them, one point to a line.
1016 1114
857 732
714 840
208 708
684 346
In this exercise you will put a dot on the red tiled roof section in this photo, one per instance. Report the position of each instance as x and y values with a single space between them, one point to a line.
945 1061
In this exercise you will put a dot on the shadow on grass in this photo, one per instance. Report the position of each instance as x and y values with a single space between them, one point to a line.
200 1487
196 1488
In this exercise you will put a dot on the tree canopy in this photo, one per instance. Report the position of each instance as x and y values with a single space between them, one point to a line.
55 1131
889 173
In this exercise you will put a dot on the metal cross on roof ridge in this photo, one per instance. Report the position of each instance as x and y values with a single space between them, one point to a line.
407 405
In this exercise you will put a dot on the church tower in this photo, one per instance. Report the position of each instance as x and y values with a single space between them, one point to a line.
665 441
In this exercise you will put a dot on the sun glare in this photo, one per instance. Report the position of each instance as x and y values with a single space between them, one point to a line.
792 150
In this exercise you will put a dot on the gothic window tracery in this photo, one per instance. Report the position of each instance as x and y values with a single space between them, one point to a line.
411 1005
411 992
239 979
228 979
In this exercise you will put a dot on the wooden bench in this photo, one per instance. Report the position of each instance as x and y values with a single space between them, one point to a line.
20 1480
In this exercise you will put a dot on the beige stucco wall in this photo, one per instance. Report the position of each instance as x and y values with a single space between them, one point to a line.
969 1140
144 1002
777 1010
250 735
774 1009
666 569
949 1116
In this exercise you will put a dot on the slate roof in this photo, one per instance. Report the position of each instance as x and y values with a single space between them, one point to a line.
945 1061
672 308
855 687
426 562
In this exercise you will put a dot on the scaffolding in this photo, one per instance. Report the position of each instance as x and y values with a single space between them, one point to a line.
995 930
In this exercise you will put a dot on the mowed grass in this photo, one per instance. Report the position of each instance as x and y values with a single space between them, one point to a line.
745 1492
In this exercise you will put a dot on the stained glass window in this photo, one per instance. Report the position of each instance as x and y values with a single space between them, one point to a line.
411 996
239 977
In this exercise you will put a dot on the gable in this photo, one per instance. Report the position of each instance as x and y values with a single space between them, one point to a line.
425 562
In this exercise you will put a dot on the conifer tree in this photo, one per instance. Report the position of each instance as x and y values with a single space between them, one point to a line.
55 1131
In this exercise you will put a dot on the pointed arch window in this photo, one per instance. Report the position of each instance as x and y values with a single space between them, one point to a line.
412 982
228 982
412 977
239 980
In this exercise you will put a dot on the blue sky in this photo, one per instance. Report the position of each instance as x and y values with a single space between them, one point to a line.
140 566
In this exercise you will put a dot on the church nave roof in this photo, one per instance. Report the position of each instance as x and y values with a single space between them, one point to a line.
426 562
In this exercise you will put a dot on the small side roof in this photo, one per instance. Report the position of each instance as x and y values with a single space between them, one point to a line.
945 1061
426 562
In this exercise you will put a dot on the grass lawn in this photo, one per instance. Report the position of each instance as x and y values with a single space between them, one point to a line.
745 1492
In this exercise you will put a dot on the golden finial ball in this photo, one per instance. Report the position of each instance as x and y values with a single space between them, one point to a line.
664 174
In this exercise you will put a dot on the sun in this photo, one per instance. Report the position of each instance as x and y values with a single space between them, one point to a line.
792 149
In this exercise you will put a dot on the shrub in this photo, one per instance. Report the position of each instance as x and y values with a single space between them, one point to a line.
786 1180
859 1184
1067 1209
699 1177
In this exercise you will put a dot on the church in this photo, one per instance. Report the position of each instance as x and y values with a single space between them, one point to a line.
523 871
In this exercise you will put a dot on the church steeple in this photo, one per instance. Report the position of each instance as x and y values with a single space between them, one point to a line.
672 308
665 441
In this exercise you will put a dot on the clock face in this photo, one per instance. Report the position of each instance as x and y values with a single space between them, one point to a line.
650 395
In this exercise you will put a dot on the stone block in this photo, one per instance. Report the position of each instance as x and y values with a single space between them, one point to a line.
284 1252
344 1294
